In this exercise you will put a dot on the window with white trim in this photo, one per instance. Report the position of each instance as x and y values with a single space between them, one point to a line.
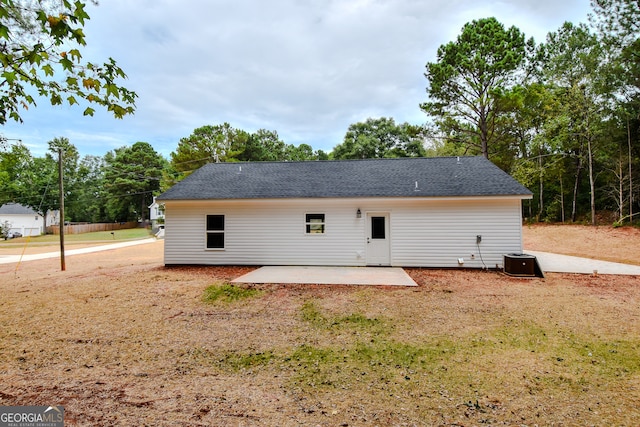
215 231
314 223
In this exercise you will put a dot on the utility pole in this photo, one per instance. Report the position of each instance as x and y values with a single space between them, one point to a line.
630 174
60 176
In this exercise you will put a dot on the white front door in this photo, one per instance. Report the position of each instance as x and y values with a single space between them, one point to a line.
378 248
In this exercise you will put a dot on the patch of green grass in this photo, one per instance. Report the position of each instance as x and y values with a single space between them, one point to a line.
312 314
127 234
575 353
314 366
98 236
357 320
312 356
606 358
227 292
238 361
382 362
521 335
474 374
466 367
391 354
563 359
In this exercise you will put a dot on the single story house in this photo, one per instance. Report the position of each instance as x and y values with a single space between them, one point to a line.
24 220
420 212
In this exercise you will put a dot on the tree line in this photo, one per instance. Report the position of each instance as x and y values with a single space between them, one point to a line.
120 185
561 116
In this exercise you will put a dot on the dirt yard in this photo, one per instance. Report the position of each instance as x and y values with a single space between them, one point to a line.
605 243
118 339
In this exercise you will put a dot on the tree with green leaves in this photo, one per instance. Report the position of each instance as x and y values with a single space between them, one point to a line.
572 57
534 159
468 79
616 162
39 188
15 162
300 153
207 144
83 182
618 24
379 138
224 143
132 175
33 181
42 39
89 196
263 145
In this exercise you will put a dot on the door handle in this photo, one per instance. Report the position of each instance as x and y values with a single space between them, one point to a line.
368 240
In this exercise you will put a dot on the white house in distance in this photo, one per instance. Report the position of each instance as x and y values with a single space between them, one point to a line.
156 214
407 212
25 220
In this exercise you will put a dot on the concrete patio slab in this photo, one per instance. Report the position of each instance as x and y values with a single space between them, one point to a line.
329 276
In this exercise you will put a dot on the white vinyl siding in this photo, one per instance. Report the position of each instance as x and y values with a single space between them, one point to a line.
438 233
263 233
423 232
27 224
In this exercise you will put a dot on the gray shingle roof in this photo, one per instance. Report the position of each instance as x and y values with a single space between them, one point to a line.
16 209
435 177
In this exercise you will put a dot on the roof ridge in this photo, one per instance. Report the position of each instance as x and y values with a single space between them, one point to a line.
341 160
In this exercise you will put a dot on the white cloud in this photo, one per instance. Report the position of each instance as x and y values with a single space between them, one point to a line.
306 68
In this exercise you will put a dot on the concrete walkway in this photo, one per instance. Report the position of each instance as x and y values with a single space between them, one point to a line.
555 263
329 276
8 259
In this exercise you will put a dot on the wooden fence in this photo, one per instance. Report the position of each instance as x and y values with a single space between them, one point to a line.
90 228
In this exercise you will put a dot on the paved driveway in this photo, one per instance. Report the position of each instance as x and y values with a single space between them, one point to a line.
554 263
8 259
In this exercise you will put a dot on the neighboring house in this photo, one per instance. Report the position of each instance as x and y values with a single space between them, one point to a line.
156 215
25 220
421 212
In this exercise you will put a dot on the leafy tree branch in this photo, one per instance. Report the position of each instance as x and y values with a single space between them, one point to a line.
41 40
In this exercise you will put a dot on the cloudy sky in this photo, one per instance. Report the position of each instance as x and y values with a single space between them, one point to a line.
304 68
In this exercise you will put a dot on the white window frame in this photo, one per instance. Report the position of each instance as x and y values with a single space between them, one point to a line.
309 225
208 232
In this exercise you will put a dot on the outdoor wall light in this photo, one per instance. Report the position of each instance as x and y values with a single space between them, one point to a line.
358 213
